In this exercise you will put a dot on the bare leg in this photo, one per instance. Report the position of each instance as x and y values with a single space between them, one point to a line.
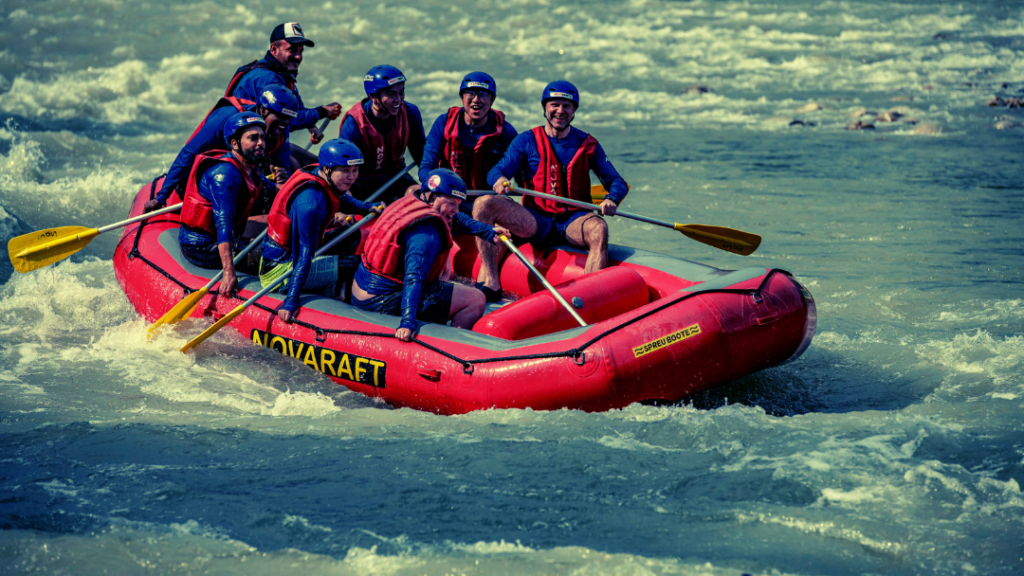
467 306
590 232
492 210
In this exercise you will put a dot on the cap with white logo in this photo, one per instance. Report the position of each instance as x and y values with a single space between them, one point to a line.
292 32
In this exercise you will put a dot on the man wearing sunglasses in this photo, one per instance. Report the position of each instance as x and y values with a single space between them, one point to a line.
469 140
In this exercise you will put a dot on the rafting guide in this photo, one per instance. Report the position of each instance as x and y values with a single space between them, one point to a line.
281 66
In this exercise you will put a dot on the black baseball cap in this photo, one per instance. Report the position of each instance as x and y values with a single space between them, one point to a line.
292 32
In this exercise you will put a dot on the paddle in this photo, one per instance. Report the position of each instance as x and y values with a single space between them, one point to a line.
241 308
320 131
183 309
598 193
543 280
728 239
44 247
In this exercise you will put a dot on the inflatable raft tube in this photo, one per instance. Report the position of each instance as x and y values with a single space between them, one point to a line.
659 328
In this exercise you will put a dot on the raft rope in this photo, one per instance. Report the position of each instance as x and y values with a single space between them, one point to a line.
468 366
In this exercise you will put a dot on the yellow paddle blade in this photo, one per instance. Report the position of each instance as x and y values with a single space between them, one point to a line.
209 331
597 193
44 247
728 239
181 310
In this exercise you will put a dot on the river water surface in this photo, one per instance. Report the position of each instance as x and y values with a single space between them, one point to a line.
894 445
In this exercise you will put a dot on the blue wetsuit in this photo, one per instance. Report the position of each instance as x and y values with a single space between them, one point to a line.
310 215
256 80
220 185
433 152
422 243
522 158
211 137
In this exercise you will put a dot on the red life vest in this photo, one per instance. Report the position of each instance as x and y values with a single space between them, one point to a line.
473 169
384 155
243 70
279 224
197 211
384 256
572 181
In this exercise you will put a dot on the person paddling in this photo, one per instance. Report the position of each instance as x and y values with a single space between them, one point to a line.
383 125
219 194
407 251
276 105
280 66
308 203
556 159
469 139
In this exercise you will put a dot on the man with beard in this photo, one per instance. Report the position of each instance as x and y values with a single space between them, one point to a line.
407 251
469 139
276 105
281 66
383 125
556 159
219 194
297 227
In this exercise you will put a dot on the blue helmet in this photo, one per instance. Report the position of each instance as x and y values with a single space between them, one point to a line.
480 80
279 100
340 152
380 77
444 181
240 122
560 89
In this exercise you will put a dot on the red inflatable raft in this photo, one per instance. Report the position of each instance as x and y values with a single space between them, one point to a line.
659 328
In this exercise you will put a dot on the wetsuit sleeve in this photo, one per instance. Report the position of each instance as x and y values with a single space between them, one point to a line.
308 213
465 224
350 131
253 83
220 185
609 177
350 204
508 135
306 118
208 138
422 243
434 148
514 162
417 139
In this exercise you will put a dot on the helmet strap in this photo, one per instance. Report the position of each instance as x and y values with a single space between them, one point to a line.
377 106
326 172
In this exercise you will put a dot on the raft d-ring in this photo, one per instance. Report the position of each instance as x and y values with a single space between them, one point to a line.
579 357
467 368
320 335
757 297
